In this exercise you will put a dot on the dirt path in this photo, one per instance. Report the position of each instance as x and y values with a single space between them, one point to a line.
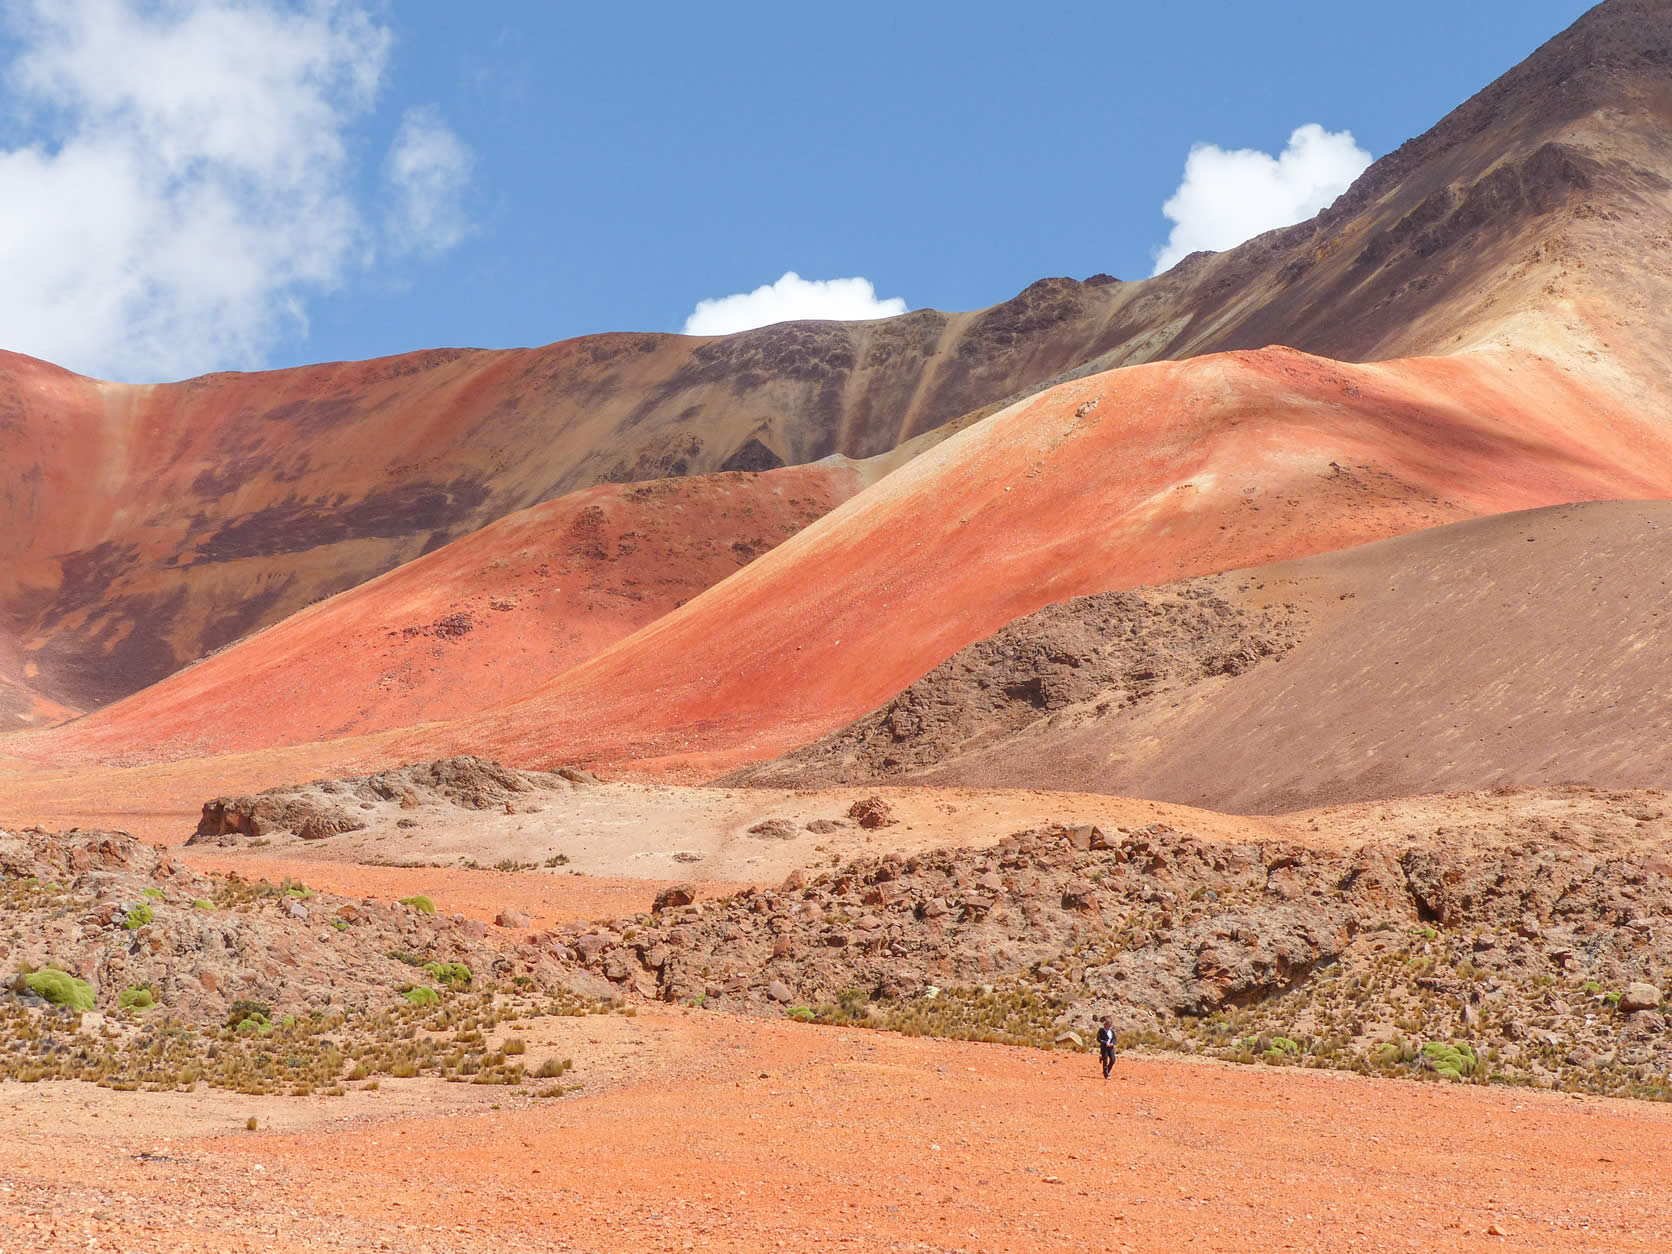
724 1134
548 898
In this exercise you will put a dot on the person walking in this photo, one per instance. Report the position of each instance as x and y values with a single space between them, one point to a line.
1106 1045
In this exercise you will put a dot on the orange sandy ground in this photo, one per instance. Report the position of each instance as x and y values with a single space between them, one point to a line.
726 1134
548 900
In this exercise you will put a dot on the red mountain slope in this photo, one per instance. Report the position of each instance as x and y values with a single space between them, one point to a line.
477 624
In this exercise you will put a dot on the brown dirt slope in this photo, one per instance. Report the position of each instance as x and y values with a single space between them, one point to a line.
145 526
1523 649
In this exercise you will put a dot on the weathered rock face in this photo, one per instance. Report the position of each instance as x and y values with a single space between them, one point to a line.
120 914
1171 934
328 807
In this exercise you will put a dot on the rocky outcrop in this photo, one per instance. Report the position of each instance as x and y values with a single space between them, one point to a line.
1525 949
123 915
1073 661
329 807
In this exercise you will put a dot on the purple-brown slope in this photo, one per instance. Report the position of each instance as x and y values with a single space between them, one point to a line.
1524 649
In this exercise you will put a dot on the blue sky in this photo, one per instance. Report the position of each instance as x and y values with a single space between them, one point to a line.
349 178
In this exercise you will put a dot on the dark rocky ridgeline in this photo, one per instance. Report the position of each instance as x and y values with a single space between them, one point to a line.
1534 960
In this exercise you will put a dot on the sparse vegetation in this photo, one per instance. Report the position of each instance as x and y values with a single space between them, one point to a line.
60 988
420 903
259 1054
456 974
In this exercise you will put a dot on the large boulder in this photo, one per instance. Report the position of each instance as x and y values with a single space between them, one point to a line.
1639 996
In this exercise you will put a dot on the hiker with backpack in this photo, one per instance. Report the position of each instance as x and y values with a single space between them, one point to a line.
1106 1045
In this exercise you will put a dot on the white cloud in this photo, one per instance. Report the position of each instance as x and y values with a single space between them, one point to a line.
428 169
1231 196
188 183
789 299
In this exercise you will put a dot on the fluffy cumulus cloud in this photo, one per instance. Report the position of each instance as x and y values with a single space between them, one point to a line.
789 299
1229 196
189 179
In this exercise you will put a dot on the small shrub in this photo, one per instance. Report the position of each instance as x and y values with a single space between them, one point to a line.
420 903
801 1014
60 988
250 1123
340 924
138 917
422 995
514 1045
557 859
400 955
156 894
203 904
551 1068
136 997
250 1016
456 974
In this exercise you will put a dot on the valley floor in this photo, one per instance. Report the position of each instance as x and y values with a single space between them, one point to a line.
701 1131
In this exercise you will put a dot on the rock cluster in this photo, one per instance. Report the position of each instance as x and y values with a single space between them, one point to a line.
1078 659
329 807
1535 950
122 915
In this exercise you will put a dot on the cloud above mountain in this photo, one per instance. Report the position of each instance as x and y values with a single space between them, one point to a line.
792 298
1231 195
187 178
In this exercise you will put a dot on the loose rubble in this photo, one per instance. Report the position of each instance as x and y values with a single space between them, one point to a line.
1531 961
127 968
329 807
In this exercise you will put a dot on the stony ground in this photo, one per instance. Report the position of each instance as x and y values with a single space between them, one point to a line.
126 969
1533 957
1402 986
1075 660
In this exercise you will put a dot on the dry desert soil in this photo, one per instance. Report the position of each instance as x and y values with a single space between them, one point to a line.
693 1130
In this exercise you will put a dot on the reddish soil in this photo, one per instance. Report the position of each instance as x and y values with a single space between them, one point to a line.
1140 476
548 900
475 625
708 1132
